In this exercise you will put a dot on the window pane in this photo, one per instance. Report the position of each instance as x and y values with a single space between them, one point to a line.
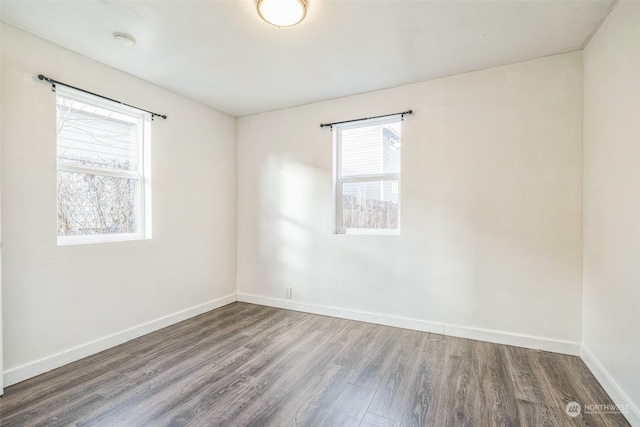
370 204
89 135
96 204
371 150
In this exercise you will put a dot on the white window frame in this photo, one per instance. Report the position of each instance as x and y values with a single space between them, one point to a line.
142 175
339 180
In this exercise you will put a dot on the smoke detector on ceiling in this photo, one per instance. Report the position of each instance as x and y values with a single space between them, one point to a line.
125 39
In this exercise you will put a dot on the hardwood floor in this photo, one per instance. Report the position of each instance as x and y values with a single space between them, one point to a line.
248 365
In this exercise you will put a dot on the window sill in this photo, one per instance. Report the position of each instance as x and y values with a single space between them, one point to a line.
98 238
369 232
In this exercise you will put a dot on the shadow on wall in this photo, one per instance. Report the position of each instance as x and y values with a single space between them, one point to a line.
298 247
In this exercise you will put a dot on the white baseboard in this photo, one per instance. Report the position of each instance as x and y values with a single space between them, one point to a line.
37 367
516 340
632 414
537 343
362 316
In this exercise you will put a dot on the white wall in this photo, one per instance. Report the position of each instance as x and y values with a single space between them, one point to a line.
611 317
491 209
61 303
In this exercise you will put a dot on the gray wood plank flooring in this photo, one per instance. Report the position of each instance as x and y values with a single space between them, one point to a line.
249 365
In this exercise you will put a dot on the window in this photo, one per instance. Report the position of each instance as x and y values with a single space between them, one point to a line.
103 170
367 176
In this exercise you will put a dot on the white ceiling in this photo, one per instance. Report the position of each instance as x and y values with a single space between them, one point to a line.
222 54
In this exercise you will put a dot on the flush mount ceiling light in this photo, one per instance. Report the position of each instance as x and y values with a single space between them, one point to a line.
282 13
124 39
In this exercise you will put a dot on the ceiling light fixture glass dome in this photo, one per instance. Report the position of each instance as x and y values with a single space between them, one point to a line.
282 13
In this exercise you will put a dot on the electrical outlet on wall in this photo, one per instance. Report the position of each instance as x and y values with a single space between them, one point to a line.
287 292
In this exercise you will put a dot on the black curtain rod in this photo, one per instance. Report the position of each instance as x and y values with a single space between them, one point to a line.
367 118
56 82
